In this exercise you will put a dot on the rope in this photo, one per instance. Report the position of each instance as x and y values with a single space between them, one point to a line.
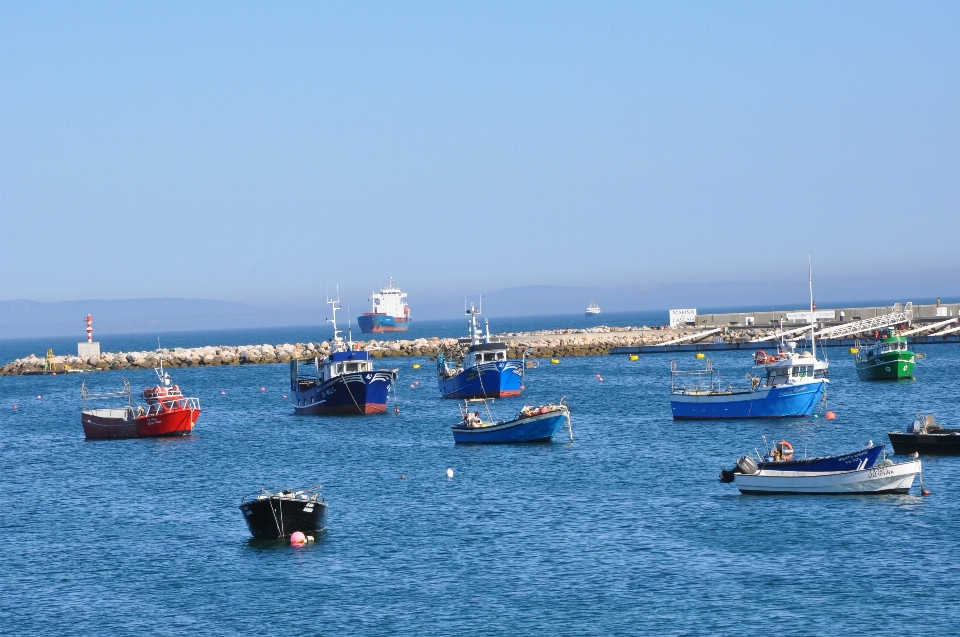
347 385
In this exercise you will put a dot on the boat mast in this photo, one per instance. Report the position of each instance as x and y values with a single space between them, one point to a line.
334 306
474 330
813 321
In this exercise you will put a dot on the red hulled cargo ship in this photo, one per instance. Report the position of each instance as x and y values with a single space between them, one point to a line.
167 412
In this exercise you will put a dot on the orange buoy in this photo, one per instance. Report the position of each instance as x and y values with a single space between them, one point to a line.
298 539
925 492
830 415
14 406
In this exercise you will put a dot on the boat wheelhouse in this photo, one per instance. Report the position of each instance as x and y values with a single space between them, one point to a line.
887 359
593 309
344 382
389 312
483 371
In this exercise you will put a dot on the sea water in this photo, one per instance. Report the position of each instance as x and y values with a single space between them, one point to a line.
624 530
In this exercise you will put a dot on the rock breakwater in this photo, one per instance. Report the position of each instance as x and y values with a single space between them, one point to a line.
540 344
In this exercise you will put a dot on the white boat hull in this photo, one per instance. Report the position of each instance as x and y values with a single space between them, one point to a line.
897 478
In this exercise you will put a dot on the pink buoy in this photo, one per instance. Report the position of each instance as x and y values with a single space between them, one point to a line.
223 393
14 406
38 398
412 386
417 383
830 415
263 389
284 395
298 539
600 378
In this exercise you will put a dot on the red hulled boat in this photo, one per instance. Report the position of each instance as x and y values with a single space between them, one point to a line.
167 412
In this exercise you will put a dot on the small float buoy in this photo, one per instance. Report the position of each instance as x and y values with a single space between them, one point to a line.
634 357
829 415
38 398
403 477
555 361
263 389
449 472
417 383
416 365
699 354
925 492
15 407
854 350
223 393
298 538
54 373
284 395
412 386
522 387
396 409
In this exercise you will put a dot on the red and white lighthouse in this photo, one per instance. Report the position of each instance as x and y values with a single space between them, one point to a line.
90 349
89 328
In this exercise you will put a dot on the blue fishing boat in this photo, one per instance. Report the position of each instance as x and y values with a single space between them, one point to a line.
792 385
484 370
344 382
532 424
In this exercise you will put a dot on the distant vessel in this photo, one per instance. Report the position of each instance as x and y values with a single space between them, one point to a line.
887 359
344 382
593 309
484 372
168 412
390 313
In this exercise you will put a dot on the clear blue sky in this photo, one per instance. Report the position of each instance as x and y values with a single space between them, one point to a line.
261 151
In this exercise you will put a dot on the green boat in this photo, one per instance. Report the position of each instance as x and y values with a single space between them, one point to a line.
887 359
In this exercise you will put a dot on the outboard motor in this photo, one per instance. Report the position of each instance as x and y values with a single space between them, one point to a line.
747 465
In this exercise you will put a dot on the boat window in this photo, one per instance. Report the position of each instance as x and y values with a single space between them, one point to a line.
351 367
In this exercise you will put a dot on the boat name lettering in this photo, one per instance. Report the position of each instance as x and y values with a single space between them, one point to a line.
880 472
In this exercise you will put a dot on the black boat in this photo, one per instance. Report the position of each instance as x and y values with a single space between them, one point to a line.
927 437
278 515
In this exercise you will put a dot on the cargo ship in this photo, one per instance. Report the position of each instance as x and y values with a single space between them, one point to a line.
390 313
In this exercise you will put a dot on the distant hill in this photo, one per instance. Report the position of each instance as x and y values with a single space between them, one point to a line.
27 319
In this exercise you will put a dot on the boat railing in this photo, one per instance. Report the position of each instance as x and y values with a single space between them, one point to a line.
707 380
313 493
86 394
178 403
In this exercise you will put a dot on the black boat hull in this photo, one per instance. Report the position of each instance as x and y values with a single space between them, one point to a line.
943 444
276 518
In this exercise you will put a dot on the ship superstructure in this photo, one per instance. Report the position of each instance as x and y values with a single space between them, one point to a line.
389 311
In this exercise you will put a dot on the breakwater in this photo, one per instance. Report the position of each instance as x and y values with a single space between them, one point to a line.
538 344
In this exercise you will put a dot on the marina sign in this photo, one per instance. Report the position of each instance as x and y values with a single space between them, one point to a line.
817 316
679 318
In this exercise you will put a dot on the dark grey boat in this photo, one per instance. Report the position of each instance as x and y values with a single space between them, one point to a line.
278 515
927 437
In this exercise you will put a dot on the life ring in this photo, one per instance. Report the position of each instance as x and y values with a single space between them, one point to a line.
761 357
786 450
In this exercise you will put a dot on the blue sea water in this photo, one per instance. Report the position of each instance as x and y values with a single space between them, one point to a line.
625 530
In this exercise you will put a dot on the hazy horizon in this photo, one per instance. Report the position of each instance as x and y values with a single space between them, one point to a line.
264 153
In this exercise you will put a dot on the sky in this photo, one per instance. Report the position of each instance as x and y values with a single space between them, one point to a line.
265 152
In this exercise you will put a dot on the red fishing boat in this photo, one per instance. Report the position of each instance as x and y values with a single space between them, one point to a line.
167 412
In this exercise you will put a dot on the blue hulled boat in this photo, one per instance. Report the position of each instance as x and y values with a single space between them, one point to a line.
793 385
532 424
484 372
344 382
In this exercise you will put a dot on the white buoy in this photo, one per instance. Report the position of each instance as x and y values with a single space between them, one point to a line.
449 472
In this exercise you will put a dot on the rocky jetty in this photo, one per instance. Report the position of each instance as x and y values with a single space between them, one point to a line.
540 344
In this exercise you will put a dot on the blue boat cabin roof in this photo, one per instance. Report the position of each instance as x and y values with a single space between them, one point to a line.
350 356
